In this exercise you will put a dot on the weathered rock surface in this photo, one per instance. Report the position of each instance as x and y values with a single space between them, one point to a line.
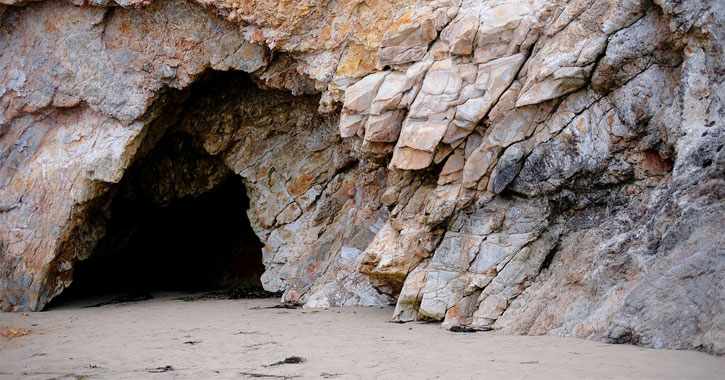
538 167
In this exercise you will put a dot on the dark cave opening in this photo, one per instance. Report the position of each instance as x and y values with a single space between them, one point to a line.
177 223
194 243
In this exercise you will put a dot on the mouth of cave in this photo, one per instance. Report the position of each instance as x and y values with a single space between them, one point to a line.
178 223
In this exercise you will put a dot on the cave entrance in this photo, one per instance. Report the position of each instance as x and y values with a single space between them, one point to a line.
177 223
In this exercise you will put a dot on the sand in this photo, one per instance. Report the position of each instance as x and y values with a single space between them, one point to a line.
239 339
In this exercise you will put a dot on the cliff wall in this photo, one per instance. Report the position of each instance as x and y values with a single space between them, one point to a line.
536 167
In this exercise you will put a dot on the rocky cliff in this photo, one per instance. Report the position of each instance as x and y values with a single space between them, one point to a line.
536 167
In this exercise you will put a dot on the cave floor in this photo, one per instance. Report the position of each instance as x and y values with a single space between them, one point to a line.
166 337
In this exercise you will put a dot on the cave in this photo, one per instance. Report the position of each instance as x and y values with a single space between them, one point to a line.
176 222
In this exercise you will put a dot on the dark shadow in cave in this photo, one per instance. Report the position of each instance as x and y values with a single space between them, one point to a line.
177 223
194 243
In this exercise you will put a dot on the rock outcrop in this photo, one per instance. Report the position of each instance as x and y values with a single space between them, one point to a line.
536 167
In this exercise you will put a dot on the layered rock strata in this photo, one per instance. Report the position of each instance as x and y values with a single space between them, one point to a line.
536 167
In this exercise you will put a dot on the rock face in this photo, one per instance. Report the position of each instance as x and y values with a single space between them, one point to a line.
537 167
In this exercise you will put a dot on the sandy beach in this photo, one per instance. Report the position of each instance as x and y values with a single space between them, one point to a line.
240 339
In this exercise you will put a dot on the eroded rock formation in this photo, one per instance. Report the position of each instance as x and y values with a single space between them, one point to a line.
538 167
